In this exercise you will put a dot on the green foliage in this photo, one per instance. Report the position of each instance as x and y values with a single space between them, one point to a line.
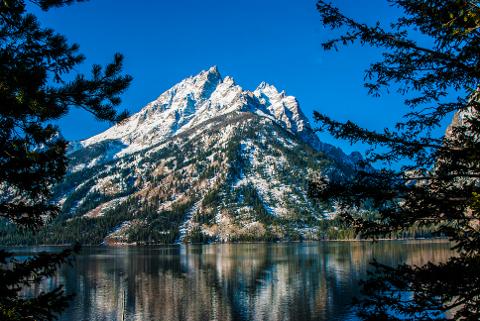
212 198
45 306
197 236
250 197
436 191
161 228
204 217
33 93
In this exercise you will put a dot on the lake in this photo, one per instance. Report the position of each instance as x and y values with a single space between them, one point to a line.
282 281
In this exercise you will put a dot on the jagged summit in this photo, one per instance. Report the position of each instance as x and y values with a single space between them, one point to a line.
269 90
197 99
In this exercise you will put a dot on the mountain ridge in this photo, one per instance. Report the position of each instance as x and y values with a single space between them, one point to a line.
200 97
205 161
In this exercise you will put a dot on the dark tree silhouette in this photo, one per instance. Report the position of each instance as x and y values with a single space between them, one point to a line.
438 183
34 62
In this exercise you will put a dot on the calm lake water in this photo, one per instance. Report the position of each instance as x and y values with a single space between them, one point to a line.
286 281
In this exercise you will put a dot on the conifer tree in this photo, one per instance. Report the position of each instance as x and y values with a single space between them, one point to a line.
437 184
34 91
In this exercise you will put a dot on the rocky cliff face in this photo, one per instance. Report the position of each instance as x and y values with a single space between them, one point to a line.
206 160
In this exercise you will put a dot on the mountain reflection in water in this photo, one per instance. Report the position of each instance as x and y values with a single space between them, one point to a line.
287 281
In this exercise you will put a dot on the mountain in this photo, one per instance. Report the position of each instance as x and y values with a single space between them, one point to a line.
205 161
198 99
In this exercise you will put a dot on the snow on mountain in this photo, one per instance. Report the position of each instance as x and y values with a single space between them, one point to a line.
198 99
205 161
281 107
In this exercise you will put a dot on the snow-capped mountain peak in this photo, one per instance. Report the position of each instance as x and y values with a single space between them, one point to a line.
196 100
284 108
269 91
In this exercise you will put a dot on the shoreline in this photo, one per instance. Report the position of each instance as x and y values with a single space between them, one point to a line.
114 245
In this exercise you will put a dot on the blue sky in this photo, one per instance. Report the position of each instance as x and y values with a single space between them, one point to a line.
251 40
